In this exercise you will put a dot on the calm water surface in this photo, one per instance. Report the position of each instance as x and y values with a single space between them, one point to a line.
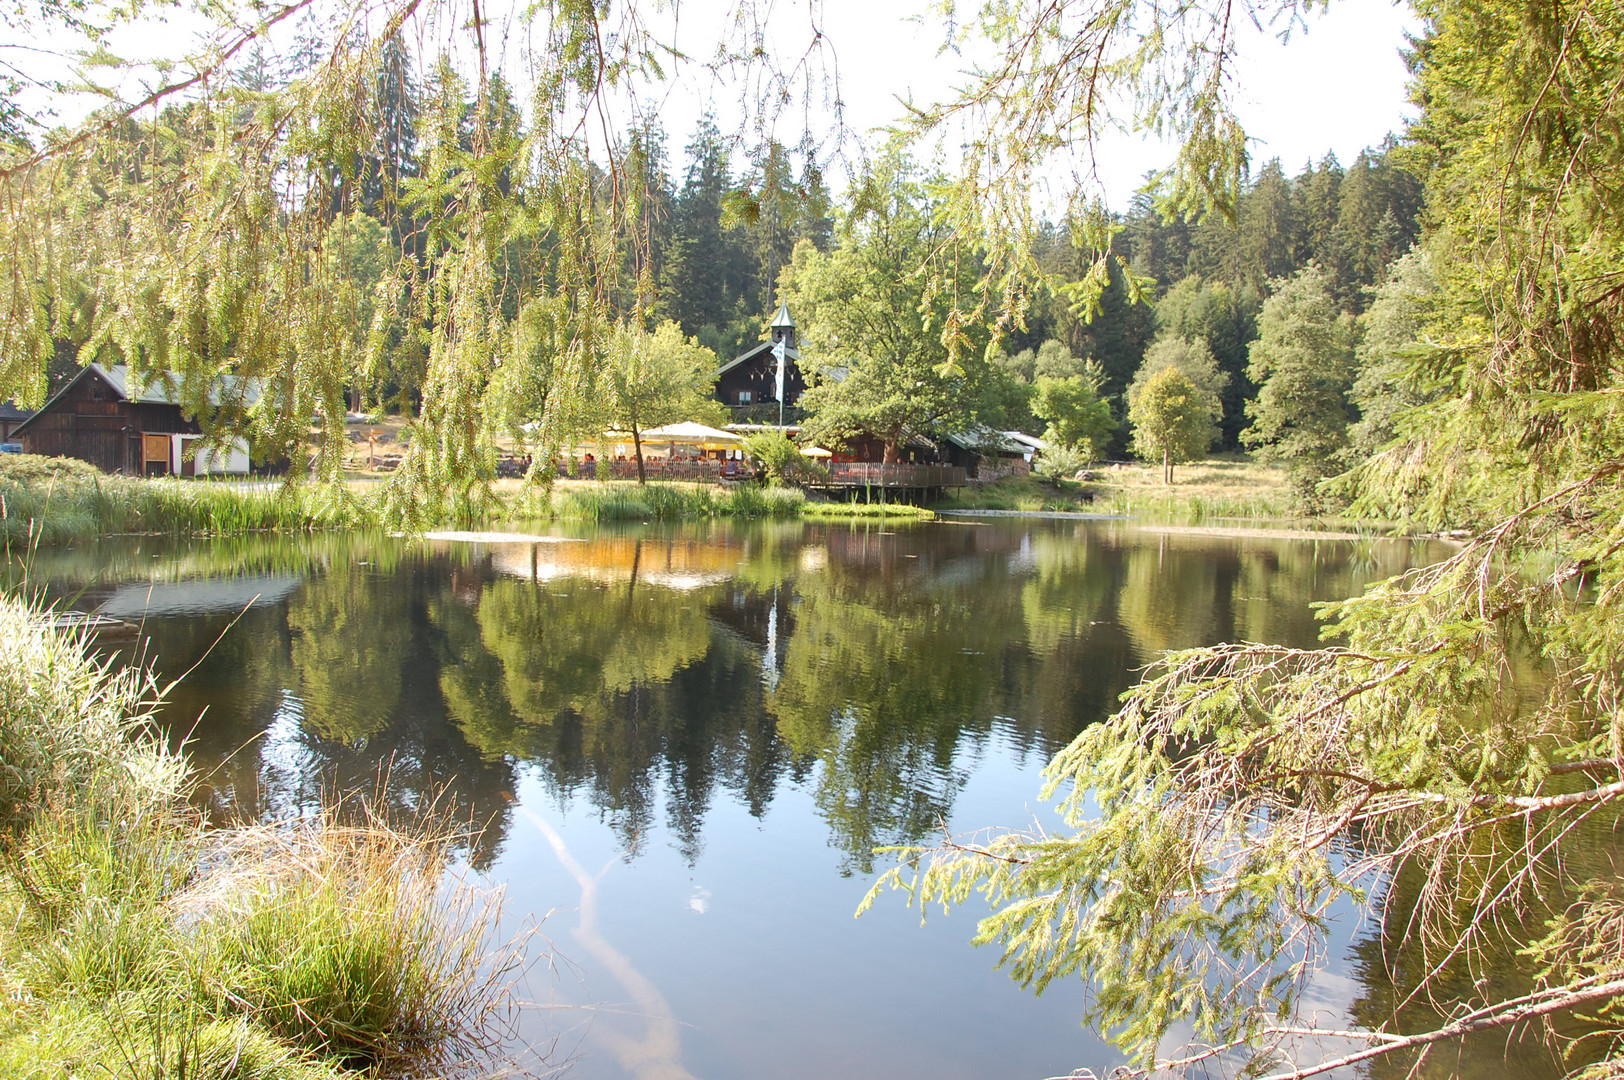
684 745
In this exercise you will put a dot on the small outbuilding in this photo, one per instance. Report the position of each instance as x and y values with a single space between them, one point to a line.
102 416
986 454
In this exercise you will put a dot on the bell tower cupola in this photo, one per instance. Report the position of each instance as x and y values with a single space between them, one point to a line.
783 327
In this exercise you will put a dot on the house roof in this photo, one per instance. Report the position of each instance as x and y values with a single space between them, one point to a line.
1027 440
160 388
984 440
791 353
9 411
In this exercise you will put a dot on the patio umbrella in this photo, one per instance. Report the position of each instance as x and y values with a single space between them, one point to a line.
815 451
690 432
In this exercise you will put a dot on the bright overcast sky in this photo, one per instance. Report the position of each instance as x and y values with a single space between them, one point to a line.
1339 86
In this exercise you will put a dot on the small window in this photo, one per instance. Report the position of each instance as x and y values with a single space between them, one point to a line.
98 394
745 397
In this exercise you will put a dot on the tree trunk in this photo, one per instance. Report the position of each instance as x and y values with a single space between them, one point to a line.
1167 466
637 445
893 452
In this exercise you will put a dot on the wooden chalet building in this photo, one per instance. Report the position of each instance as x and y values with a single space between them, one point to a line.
101 417
748 384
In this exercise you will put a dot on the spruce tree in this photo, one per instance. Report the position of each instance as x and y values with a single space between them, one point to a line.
1302 363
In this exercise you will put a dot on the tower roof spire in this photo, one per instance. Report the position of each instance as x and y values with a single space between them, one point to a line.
783 317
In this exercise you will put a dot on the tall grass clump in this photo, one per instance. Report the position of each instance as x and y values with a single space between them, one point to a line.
866 510
674 502
1189 508
68 724
342 941
134 941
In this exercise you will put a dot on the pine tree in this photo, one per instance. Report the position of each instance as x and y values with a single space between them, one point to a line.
694 288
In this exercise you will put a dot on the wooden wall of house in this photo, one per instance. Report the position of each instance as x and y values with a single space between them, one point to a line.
92 422
871 449
759 375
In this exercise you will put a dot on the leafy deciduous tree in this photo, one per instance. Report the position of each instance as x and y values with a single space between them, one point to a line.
874 332
656 378
1172 420
1077 415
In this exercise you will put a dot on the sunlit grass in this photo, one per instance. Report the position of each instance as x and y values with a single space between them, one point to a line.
1025 493
1201 491
57 500
135 942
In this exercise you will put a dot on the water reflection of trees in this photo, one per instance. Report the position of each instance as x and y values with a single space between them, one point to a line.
650 675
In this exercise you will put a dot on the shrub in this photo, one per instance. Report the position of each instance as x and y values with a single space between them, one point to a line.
1062 461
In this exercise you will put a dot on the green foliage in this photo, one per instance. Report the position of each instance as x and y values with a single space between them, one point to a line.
1302 363
1192 359
1172 420
657 378
1223 317
1390 351
1063 461
1458 740
778 457
1078 417
887 357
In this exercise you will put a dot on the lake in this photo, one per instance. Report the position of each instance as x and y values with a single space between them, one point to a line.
678 748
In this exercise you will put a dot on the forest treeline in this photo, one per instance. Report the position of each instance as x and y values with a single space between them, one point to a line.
708 242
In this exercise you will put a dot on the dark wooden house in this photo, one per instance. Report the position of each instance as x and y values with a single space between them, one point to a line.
748 384
103 418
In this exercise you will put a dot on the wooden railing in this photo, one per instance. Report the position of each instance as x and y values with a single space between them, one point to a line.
671 470
862 474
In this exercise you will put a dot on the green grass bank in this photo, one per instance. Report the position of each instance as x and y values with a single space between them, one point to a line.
52 501
624 501
136 943
1212 490
58 500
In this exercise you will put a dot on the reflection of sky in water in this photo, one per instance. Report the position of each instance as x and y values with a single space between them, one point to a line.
289 769
699 831
205 597
777 978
